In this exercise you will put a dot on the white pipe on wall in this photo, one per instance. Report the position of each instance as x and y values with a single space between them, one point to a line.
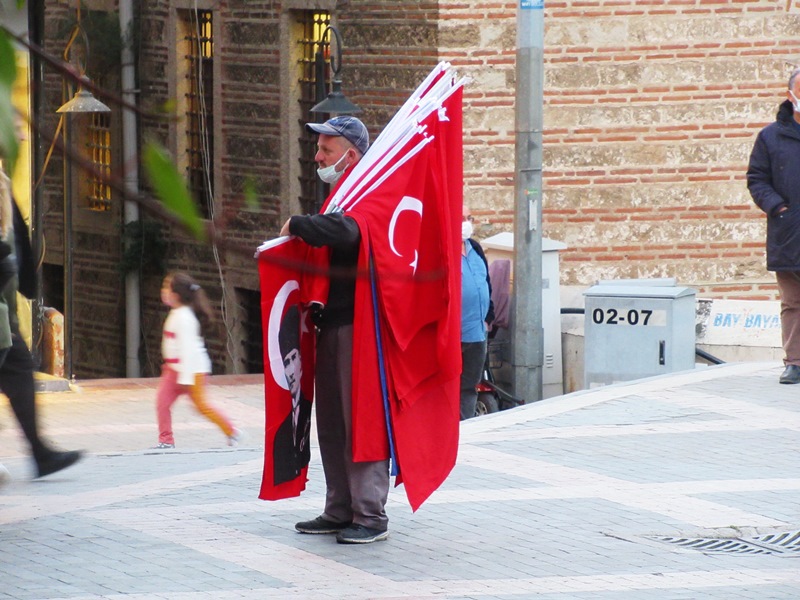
131 178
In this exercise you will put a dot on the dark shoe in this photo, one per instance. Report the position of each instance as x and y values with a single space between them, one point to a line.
358 534
320 525
57 461
791 374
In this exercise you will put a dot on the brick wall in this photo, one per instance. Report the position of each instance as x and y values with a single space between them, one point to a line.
650 113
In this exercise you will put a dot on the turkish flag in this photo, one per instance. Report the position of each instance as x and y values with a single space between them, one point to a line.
410 232
287 289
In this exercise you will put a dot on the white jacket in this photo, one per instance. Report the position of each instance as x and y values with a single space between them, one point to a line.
182 347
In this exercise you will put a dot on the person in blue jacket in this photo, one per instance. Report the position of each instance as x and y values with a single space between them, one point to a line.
773 179
477 315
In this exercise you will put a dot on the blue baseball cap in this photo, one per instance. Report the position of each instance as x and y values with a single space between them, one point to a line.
350 128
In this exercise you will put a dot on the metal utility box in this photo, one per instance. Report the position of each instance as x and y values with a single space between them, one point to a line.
637 328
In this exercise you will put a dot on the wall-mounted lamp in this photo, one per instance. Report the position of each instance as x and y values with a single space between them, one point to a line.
336 102
83 102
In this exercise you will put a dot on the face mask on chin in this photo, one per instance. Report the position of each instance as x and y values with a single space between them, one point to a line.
466 230
330 174
795 102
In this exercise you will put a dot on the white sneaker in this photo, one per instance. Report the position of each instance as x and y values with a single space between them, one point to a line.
5 476
237 437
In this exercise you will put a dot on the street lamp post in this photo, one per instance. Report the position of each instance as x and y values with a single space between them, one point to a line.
335 102
82 102
527 333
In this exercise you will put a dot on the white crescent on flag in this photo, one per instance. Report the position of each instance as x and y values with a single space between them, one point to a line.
406 203
275 316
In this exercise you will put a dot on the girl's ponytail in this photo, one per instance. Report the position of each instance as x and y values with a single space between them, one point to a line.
192 295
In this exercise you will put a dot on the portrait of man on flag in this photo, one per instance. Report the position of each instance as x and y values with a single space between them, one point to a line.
288 372
291 446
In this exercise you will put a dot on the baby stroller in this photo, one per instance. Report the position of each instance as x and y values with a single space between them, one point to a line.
491 397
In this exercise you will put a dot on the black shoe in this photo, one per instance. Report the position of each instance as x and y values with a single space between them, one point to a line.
320 525
791 374
358 534
57 461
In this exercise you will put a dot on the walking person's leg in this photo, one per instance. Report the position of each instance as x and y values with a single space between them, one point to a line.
197 393
16 381
166 395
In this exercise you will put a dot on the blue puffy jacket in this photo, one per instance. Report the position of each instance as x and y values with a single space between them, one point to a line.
773 178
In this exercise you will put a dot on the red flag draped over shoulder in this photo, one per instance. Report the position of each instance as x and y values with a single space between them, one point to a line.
410 228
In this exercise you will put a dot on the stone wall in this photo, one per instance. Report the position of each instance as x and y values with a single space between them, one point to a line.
650 112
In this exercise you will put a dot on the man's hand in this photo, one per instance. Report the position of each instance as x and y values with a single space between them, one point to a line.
285 228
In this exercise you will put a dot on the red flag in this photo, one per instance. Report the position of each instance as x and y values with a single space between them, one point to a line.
288 367
409 226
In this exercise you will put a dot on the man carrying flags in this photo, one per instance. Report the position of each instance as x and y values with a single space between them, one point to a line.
356 491
388 356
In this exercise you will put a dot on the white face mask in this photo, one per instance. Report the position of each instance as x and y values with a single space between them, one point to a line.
330 174
795 102
466 230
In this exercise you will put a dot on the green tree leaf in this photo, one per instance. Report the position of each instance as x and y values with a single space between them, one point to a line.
171 189
250 193
9 145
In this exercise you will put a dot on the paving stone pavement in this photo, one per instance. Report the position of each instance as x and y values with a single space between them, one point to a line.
578 497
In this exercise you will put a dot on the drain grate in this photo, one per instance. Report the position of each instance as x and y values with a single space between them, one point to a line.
783 544
787 542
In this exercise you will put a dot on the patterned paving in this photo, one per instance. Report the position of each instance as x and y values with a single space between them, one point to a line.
569 498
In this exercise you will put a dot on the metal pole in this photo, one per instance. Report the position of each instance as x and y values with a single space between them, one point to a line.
131 177
36 34
69 325
322 188
527 337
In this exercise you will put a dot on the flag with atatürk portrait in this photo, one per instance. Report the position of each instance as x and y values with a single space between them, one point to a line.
288 365
405 194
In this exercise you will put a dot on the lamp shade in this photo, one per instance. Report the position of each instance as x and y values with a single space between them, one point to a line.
336 103
83 102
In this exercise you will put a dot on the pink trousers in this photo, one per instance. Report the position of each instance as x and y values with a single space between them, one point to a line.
169 391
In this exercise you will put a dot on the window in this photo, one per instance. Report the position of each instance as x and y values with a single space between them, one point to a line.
94 187
252 336
195 104
313 68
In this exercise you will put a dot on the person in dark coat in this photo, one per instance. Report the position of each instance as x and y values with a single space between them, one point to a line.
773 179
18 273
291 450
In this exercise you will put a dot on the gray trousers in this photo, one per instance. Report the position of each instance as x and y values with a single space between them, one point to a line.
473 358
356 491
789 288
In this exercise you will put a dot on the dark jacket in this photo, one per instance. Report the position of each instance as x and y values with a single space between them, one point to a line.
773 178
342 236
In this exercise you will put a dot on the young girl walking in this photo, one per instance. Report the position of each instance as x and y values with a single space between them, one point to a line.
186 361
